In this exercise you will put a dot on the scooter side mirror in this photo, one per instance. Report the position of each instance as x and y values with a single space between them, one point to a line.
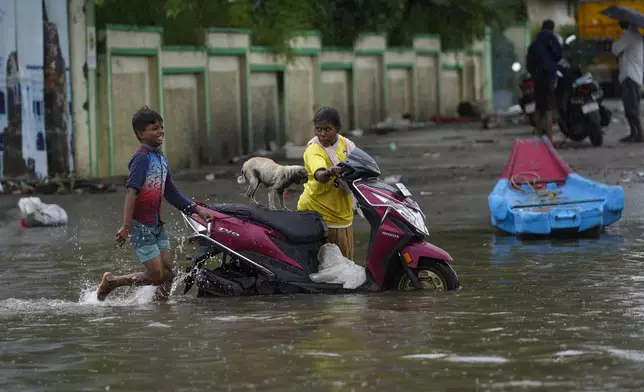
516 66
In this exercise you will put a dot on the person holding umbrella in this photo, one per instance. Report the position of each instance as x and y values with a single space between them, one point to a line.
629 50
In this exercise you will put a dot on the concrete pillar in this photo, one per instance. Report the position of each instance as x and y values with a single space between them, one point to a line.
76 17
80 15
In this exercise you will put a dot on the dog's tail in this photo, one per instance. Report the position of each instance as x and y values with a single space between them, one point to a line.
242 179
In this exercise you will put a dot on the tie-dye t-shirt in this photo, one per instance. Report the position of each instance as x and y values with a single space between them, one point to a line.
150 176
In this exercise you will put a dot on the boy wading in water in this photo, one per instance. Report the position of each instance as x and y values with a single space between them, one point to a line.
148 183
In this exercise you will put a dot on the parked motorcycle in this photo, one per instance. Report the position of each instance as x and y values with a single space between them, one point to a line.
526 100
579 101
579 98
274 252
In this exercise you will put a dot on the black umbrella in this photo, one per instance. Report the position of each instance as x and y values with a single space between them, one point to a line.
625 14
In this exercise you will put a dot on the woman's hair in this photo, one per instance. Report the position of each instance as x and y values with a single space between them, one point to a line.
328 114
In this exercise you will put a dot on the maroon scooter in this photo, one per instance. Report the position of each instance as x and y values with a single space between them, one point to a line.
265 252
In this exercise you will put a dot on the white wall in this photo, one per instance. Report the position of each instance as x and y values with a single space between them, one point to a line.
562 12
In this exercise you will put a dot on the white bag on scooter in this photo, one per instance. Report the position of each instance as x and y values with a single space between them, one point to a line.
37 213
336 269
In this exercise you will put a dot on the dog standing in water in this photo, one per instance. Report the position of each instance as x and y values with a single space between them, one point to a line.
277 178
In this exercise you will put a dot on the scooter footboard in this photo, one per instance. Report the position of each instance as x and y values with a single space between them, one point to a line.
414 251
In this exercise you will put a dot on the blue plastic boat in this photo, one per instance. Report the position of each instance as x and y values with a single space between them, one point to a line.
538 194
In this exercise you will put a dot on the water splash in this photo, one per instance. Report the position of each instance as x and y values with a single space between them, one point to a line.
27 307
119 297
125 296
178 279
87 301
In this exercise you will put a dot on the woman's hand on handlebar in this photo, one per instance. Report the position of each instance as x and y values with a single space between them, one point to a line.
335 171
325 175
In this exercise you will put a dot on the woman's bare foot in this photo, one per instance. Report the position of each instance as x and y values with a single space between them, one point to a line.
105 287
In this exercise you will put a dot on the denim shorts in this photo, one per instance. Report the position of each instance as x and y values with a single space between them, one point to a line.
148 240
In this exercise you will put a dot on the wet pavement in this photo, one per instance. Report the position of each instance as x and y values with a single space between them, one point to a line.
551 315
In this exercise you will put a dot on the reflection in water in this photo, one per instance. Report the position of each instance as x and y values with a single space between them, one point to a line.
554 315
509 249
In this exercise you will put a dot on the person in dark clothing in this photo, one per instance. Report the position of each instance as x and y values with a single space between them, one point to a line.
543 55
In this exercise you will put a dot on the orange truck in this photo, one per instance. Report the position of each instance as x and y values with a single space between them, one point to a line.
601 31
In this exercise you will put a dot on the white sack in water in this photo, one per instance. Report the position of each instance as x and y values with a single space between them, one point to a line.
335 268
37 213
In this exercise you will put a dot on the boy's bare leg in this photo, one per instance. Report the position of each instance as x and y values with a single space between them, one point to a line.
153 275
163 292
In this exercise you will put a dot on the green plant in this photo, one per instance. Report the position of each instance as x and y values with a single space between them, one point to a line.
274 22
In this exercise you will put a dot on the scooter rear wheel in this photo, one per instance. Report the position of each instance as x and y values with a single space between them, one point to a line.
431 274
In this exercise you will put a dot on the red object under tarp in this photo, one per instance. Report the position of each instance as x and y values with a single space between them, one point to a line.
536 156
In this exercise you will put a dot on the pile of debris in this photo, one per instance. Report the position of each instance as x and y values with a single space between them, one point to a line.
399 122
54 185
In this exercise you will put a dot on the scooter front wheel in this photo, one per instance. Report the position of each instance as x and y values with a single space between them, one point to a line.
431 274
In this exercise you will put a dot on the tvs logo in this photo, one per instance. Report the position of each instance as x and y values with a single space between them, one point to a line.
229 232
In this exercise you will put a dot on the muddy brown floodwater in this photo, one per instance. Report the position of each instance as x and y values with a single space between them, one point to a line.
551 315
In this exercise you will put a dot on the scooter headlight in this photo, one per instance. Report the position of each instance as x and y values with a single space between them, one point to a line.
415 218
414 215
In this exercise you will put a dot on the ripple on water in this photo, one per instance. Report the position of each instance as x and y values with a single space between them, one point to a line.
525 384
102 319
425 356
476 359
232 318
630 355
322 354
459 358
159 325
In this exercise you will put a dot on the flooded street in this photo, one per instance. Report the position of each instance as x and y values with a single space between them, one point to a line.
551 315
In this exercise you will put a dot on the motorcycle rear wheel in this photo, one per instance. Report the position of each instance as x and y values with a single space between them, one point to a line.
431 274
531 120
592 123
531 116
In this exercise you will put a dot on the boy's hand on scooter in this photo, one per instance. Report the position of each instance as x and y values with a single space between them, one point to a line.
203 214
122 235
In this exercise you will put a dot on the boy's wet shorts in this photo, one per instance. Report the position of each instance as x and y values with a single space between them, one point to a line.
148 240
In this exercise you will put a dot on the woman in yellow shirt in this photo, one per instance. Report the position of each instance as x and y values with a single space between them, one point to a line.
330 199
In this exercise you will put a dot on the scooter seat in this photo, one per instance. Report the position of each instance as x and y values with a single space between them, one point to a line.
298 227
